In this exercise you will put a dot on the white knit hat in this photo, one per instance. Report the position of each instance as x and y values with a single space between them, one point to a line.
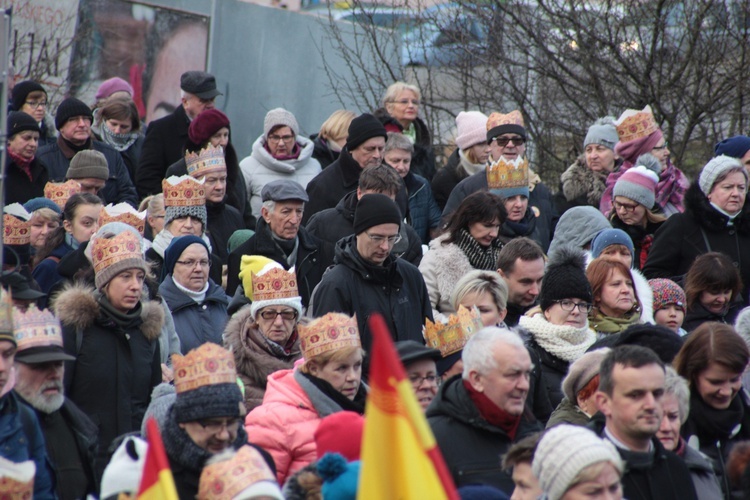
564 451
279 116
715 168
124 471
472 129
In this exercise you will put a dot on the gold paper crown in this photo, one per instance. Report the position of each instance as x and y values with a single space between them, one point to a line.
274 284
6 316
452 336
123 212
633 124
183 191
35 328
331 332
225 480
16 231
496 119
210 159
17 479
503 174
209 364
109 251
59 192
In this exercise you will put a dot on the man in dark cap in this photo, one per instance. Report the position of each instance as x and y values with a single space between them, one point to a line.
73 121
364 147
420 363
20 289
366 278
165 137
280 236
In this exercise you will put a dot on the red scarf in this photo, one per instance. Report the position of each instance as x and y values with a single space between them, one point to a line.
492 413
23 163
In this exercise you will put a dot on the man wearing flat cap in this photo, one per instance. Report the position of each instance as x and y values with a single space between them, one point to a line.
165 137
279 235
366 278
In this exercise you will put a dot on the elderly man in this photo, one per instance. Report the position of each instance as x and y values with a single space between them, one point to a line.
476 417
366 278
73 121
280 236
521 264
631 388
70 436
165 137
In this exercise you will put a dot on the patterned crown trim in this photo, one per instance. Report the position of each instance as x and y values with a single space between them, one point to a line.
61 191
227 479
35 328
209 159
274 284
209 364
633 124
15 230
503 174
109 251
452 336
183 191
496 119
122 212
331 332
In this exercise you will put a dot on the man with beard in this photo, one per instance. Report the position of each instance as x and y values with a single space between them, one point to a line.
70 437
631 387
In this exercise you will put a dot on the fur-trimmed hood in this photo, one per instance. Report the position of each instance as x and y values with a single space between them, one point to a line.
579 180
711 219
78 306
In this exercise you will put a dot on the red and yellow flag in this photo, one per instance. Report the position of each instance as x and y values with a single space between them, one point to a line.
400 458
157 482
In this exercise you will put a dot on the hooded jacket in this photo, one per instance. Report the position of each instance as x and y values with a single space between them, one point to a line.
260 168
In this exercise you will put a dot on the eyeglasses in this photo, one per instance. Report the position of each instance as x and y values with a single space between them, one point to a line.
275 138
216 426
503 141
417 381
625 206
36 104
569 305
662 147
270 315
192 263
405 102
378 239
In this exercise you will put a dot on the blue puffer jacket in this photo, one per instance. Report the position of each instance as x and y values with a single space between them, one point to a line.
424 213
196 323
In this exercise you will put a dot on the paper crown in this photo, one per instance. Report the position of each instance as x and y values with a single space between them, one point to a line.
331 332
183 191
496 119
225 480
508 174
35 328
209 364
633 124
6 316
16 226
110 251
17 479
209 159
452 336
59 192
274 284
123 212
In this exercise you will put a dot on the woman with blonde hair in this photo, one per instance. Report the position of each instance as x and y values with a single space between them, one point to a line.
327 143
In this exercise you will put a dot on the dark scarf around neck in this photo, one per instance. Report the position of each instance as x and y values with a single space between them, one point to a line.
123 320
346 404
492 413
69 149
480 257
713 424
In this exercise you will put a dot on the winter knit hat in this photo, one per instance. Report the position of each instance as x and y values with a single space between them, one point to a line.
88 163
70 108
238 238
205 125
736 146
184 196
18 121
340 432
113 255
114 84
21 91
340 479
609 237
581 371
206 384
362 128
660 339
375 209
279 117
715 168
638 184
471 129
125 469
162 398
602 132
564 451
35 204
177 246
667 292
565 277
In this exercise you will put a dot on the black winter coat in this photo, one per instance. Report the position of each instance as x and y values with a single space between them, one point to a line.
447 178
329 186
132 155
697 315
322 152
396 290
471 446
553 371
18 187
164 143
223 221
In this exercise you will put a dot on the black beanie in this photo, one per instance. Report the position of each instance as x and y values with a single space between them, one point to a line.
373 210
69 108
18 121
565 278
364 127
21 91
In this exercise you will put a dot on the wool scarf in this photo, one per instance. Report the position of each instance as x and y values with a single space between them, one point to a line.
563 341
470 168
492 413
480 257
607 325
712 424
346 404
24 164
121 142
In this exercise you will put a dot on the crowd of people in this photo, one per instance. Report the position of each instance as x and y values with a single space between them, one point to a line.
160 276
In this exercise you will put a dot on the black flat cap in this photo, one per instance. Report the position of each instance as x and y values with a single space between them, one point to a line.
19 286
283 190
410 351
199 83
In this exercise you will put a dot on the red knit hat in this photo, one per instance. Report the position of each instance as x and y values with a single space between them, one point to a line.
340 432
206 124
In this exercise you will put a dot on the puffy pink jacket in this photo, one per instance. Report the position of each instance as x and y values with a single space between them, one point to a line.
284 424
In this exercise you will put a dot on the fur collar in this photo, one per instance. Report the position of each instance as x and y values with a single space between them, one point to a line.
76 306
709 218
579 180
450 265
